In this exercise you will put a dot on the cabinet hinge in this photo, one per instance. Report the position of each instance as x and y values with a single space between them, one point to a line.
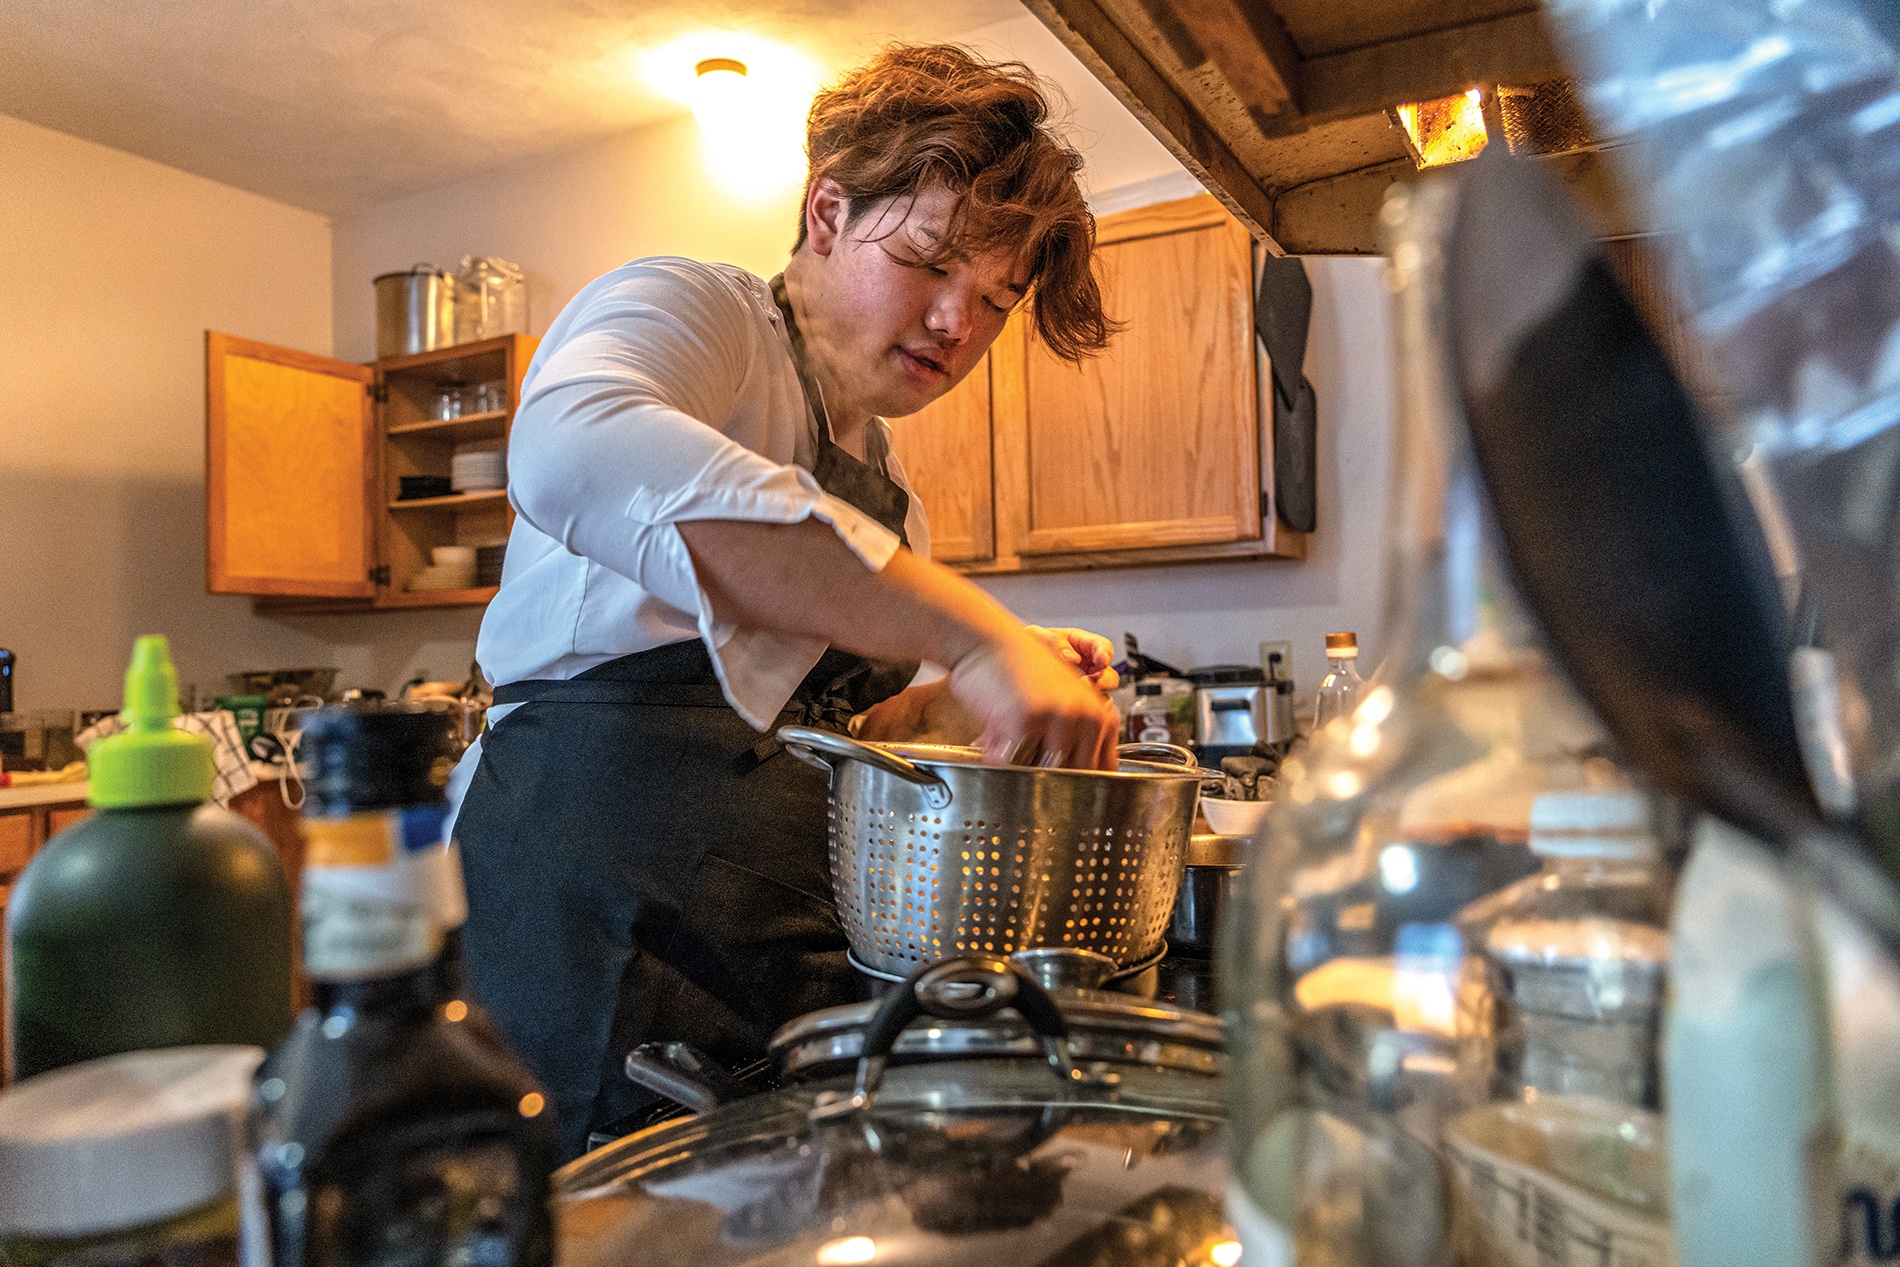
378 392
380 574
1266 504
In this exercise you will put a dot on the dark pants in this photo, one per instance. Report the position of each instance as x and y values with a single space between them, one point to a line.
636 872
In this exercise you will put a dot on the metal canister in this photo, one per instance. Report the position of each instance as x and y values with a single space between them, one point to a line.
415 311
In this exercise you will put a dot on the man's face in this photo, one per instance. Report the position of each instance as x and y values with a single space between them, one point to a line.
894 332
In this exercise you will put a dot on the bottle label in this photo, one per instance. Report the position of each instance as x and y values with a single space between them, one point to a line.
1511 1214
372 900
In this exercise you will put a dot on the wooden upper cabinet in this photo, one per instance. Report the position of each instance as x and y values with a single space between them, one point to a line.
289 472
945 452
1155 443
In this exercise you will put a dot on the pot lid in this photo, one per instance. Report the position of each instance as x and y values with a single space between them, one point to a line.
1026 1156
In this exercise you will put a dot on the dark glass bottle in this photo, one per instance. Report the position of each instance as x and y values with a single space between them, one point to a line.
396 1127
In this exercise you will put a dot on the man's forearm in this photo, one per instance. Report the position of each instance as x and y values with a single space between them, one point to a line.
802 579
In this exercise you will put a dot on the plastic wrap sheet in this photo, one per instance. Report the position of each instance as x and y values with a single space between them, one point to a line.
1762 140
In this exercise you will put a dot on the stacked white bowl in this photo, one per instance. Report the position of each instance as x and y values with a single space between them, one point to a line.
453 568
474 470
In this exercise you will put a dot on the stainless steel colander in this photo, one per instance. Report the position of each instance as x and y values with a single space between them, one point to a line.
934 853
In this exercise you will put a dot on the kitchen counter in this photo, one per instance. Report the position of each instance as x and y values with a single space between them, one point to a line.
65 793
41 794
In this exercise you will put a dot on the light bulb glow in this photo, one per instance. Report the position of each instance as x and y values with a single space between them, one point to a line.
750 98
1224 1253
848 1251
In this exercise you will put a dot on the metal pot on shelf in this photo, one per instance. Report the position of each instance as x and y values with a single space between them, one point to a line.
935 853
1085 1128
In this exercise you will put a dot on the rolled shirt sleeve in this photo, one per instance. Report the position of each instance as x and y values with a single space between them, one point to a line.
620 437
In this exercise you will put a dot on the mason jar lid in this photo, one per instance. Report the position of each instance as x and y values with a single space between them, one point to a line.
124 1141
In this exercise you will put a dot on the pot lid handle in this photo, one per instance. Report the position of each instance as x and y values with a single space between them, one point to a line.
961 988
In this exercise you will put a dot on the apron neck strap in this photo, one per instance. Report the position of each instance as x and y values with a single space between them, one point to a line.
876 450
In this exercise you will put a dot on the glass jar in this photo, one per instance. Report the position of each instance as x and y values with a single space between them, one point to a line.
134 1160
491 299
1402 1024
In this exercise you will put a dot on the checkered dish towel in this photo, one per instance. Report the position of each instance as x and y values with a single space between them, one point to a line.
227 748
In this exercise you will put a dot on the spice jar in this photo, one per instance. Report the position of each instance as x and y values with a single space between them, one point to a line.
128 1161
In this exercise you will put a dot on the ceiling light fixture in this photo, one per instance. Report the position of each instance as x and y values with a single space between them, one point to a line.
750 97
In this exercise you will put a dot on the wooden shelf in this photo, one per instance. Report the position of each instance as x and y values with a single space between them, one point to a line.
493 423
439 598
454 501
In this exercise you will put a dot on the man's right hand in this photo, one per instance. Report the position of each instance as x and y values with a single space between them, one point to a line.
1035 708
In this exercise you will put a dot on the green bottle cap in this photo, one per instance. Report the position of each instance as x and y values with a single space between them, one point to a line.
151 762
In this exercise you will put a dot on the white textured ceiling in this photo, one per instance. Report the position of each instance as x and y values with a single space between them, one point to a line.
335 105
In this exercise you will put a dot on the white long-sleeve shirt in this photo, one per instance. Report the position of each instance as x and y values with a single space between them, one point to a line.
664 392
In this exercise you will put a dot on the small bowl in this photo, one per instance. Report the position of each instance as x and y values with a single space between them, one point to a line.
1234 818
453 556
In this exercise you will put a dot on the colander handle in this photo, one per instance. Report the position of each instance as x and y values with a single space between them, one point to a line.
1165 753
824 747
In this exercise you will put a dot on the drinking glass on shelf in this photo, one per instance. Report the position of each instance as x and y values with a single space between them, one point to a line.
448 401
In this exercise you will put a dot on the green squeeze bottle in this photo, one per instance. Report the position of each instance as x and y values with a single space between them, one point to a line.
158 921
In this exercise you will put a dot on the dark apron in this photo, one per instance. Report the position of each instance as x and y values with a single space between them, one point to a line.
643 866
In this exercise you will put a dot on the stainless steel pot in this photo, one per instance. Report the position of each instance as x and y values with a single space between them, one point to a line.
1086 1129
415 311
1213 866
935 853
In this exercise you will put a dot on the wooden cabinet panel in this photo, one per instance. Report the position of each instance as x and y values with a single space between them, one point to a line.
16 843
61 817
1157 442
288 472
945 452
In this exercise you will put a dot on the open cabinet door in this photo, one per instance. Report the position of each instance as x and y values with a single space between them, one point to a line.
289 472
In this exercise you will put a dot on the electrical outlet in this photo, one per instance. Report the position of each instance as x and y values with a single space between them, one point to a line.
1283 672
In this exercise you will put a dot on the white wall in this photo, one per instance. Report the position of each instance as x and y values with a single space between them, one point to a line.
112 268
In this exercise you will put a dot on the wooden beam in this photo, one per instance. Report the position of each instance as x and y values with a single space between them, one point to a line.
1244 41
1114 59
1510 50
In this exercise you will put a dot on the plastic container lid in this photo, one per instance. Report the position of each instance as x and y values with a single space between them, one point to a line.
1593 824
1342 646
122 1142
151 762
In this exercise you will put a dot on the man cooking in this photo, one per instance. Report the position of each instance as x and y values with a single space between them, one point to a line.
713 540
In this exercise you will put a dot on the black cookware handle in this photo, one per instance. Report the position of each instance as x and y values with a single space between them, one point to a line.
963 987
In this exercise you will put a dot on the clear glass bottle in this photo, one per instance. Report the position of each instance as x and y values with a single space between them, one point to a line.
1340 689
1381 1108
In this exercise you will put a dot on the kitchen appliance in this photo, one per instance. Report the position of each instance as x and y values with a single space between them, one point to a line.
935 853
933 1127
415 311
1230 710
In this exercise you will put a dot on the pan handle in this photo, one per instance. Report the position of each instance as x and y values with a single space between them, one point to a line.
824 748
